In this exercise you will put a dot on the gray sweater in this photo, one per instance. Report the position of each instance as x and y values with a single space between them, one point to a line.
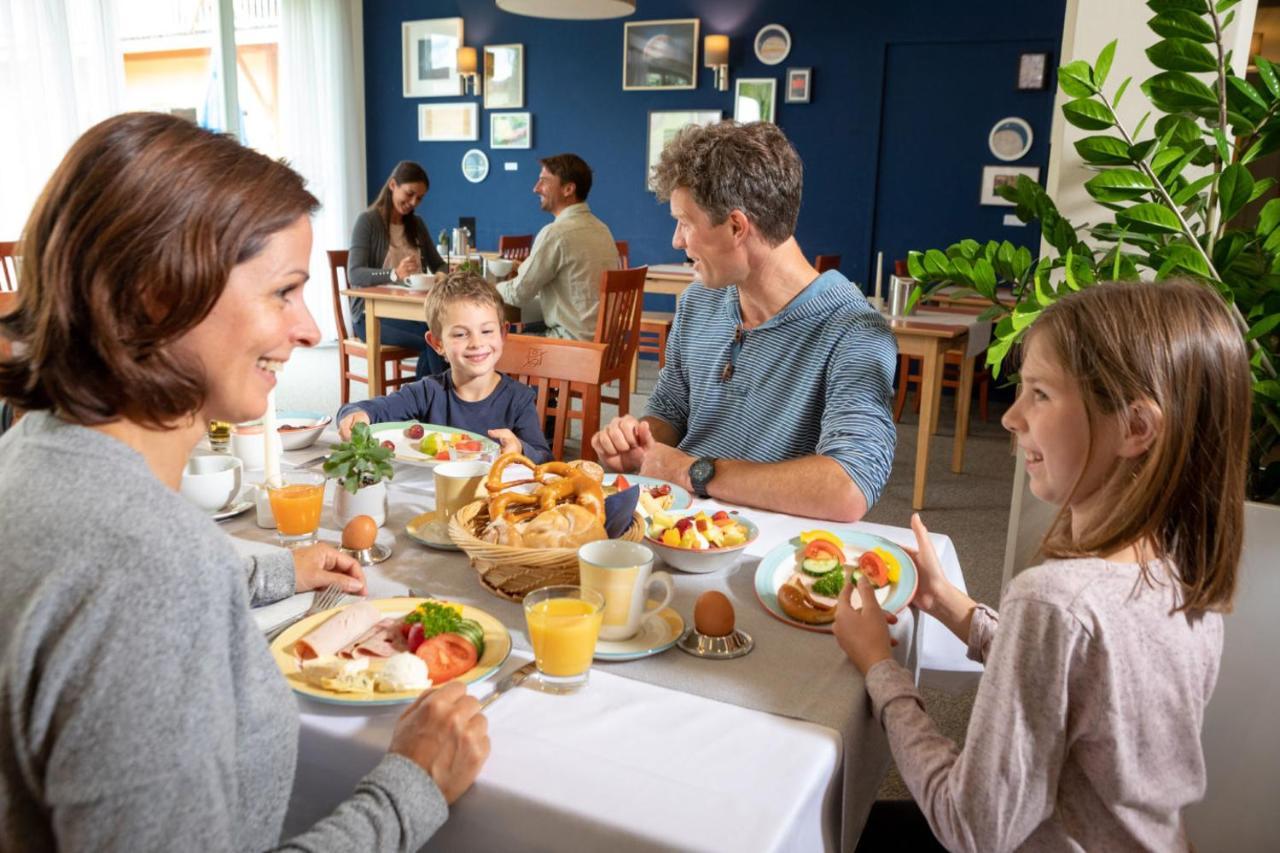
141 709
370 242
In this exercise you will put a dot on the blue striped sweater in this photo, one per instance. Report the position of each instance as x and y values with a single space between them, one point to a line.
815 378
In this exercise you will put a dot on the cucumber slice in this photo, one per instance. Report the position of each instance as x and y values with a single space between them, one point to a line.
474 633
818 568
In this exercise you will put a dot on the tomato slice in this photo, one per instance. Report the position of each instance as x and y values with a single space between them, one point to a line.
467 446
821 548
415 637
621 484
872 565
447 657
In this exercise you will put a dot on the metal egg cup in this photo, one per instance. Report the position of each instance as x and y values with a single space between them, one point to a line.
730 646
376 553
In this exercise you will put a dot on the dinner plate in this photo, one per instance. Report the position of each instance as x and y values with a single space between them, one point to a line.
497 646
656 635
424 530
231 510
780 564
680 498
407 448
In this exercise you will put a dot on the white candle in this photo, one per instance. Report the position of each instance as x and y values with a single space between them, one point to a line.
879 262
271 463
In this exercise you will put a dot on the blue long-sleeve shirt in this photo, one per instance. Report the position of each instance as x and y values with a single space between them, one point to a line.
433 400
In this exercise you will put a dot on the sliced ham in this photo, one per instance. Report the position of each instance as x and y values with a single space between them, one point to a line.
381 641
338 631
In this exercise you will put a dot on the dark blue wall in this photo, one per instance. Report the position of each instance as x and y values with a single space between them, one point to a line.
573 88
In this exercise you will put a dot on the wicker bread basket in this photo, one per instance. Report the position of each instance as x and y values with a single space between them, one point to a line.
512 573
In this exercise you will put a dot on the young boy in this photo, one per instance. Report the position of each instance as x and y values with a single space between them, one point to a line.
465 312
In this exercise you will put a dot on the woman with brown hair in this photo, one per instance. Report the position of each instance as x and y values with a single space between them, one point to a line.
390 242
1134 419
162 288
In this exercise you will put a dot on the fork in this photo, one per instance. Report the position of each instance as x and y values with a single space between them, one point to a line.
330 596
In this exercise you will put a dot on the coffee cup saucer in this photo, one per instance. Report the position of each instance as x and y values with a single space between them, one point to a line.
658 632
237 506
427 530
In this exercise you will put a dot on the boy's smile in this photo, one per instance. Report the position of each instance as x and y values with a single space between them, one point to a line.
470 339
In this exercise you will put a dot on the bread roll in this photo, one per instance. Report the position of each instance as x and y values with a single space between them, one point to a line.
591 469
565 526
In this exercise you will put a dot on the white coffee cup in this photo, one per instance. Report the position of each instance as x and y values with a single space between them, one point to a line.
211 482
247 445
420 281
500 267
623 573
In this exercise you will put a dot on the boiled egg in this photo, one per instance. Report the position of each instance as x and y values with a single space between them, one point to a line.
359 533
713 614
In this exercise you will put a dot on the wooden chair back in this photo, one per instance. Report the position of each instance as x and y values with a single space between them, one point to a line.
8 302
515 247
8 266
352 347
338 261
618 322
553 368
624 254
822 263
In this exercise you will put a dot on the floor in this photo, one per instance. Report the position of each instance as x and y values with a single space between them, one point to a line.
972 507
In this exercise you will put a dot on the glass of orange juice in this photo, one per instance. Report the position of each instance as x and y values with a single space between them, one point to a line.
564 622
296 506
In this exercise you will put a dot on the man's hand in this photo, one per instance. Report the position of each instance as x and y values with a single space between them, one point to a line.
623 444
667 463
863 633
507 441
444 733
316 566
348 423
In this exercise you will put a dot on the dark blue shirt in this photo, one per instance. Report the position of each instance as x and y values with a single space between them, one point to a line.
433 400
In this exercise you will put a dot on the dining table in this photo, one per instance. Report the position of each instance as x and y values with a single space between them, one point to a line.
773 751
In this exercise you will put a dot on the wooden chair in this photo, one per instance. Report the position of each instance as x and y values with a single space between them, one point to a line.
8 266
555 369
822 263
515 247
618 325
950 379
350 347
624 254
655 326
9 414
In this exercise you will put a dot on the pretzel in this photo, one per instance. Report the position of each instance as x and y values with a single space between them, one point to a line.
498 506
559 469
494 482
584 491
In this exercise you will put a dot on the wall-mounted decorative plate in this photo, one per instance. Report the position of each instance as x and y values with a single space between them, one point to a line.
773 43
1010 139
475 165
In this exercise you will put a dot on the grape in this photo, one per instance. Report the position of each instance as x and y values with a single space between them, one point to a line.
389 445
415 431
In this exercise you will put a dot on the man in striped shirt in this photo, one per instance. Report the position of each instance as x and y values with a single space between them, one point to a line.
777 384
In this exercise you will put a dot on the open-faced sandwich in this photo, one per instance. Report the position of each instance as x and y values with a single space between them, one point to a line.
810 595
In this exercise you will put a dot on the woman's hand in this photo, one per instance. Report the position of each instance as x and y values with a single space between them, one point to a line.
507 441
316 566
349 422
933 585
407 267
444 733
863 633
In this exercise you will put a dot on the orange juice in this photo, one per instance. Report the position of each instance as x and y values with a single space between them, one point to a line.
296 507
563 634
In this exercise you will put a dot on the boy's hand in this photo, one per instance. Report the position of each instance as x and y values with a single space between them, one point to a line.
622 444
507 441
863 633
316 566
346 424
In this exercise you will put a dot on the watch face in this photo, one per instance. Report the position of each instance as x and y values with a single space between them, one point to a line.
700 472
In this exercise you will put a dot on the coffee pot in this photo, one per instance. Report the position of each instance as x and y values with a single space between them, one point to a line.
461 242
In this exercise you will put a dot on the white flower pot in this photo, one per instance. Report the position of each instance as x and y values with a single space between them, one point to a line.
368 500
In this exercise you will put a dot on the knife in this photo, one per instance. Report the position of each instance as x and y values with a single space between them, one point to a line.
512 680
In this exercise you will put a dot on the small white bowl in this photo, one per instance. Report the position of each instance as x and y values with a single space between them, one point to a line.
296 429
500 267
702 562
420 281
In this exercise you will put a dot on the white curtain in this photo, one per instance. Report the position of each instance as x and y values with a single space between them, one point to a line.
322 125
60 73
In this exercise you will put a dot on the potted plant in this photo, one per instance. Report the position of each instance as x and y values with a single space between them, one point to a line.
1171 218
361 466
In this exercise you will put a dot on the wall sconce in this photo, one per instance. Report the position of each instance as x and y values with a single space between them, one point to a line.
467 70
715 54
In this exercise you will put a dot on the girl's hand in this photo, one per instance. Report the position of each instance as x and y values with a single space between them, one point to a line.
348 423
507 441
316 566
863 634
407 267
933 584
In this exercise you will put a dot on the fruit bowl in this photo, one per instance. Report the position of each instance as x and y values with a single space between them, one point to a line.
701 560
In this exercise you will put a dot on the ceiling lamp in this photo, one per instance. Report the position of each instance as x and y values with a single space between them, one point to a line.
581 10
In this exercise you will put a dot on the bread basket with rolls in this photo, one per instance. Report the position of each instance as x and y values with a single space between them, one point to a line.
526 534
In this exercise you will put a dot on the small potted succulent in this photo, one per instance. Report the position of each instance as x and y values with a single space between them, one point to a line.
362 467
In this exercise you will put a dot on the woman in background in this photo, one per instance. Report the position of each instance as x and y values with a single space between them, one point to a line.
390 243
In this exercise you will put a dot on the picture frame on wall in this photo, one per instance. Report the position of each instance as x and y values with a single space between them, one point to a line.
1010 138
430 57
503 76
772 44
798 80
994 177
1033 71
660 54
510 130
755 99
448 122
663 126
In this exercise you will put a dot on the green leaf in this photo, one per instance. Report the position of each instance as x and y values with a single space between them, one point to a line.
1115 102
1076 79
1269 77
936 263
913 299
1044 296
1024 318
1250 94
1104 151
915 265
1183 256
1261 188
996 354
1268 142
1087 114
1119 185
1137 131
1224 5
1175 91
984 277
1181 54
1149 218
1102 67
1191 190
1234 187
1224 147
1268 217
1199 7
1263 327
1021 262
1182 23
1138 151
1268 388
1178 130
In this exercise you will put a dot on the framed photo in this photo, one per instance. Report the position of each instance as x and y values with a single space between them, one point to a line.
1000 176
754 98
1032 71
475 167
510 130
1010 139
431 57
503 76
660 54
664 125
798 80
772 44
448 122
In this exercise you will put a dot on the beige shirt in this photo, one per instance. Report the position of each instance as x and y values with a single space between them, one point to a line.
399 248
1085 733
563 271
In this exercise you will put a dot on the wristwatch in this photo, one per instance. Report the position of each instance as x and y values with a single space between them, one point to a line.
700 474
